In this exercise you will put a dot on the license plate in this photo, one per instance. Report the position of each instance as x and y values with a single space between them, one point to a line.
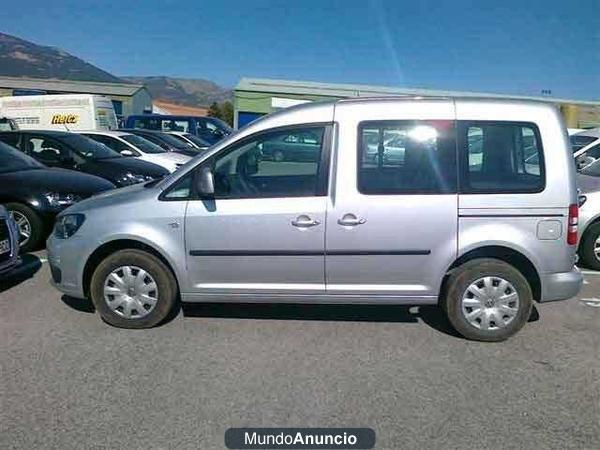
4 246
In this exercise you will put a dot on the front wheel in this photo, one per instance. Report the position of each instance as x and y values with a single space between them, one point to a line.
488 300
133 289
30 226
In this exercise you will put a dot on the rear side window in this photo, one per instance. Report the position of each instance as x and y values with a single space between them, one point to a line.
408 157
500 157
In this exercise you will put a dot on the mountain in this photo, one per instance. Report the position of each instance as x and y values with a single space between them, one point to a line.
21 58
183 91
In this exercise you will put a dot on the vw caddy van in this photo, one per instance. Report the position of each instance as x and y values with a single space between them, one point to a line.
469 204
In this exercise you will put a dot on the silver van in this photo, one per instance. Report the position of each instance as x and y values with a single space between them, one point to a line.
469 204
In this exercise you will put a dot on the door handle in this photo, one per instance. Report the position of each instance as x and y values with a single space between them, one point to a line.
350 220
304 221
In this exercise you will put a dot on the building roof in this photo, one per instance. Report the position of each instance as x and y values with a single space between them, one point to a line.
165 107
81 87
360 90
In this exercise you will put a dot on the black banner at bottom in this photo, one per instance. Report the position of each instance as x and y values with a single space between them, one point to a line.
299 438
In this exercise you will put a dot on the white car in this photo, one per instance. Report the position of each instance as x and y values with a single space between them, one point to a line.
586 147
588 182
191 139
128 144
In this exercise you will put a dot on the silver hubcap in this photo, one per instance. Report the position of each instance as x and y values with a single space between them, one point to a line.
490 303
130 292
597 248
24 227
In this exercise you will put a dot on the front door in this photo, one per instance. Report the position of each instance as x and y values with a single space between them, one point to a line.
264 231
392 225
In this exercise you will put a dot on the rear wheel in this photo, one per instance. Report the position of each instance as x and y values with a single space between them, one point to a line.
488 300
133 289
31 227
589 249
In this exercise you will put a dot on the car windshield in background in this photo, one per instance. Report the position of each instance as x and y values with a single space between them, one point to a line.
578 142
172 141
196 140
143 144
593 169
12 160
181 140
88 148
219 124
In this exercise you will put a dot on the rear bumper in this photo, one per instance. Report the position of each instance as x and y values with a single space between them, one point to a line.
561 286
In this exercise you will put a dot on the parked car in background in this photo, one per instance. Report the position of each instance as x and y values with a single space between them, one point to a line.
165 141
132 145
483 240
588 182
210 129
65 112
293 146
34 193
9 241
191 139
77 152
586 147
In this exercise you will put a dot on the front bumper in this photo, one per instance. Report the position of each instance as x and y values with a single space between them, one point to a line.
67 258
561 286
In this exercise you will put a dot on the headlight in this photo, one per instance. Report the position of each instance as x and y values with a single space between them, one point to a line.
55 199
133 178
67 225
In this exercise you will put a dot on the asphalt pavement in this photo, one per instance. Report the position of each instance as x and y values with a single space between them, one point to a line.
70 381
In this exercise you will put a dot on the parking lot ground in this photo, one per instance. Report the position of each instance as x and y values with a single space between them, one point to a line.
70 381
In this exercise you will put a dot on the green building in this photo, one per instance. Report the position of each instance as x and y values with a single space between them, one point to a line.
256 97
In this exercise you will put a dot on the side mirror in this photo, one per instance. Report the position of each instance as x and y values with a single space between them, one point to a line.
126 152
205 182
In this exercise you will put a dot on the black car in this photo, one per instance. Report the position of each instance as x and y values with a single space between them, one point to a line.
34 194
165 141
74 151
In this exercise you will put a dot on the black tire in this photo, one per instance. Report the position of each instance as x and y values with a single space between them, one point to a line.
162 275
463 276
586 247
36 226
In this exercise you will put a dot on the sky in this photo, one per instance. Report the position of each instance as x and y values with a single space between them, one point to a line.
506 46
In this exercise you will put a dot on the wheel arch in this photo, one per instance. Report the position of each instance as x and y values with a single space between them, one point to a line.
32 202
106 249
509 255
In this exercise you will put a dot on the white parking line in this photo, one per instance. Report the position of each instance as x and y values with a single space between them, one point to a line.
593 302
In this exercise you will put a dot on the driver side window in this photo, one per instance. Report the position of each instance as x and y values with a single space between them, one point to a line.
269 165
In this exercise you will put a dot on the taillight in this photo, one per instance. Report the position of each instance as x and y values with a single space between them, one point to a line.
573 224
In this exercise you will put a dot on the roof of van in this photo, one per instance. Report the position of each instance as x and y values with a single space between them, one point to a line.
167 116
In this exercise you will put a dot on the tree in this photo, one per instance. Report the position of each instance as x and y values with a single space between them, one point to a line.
223 111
